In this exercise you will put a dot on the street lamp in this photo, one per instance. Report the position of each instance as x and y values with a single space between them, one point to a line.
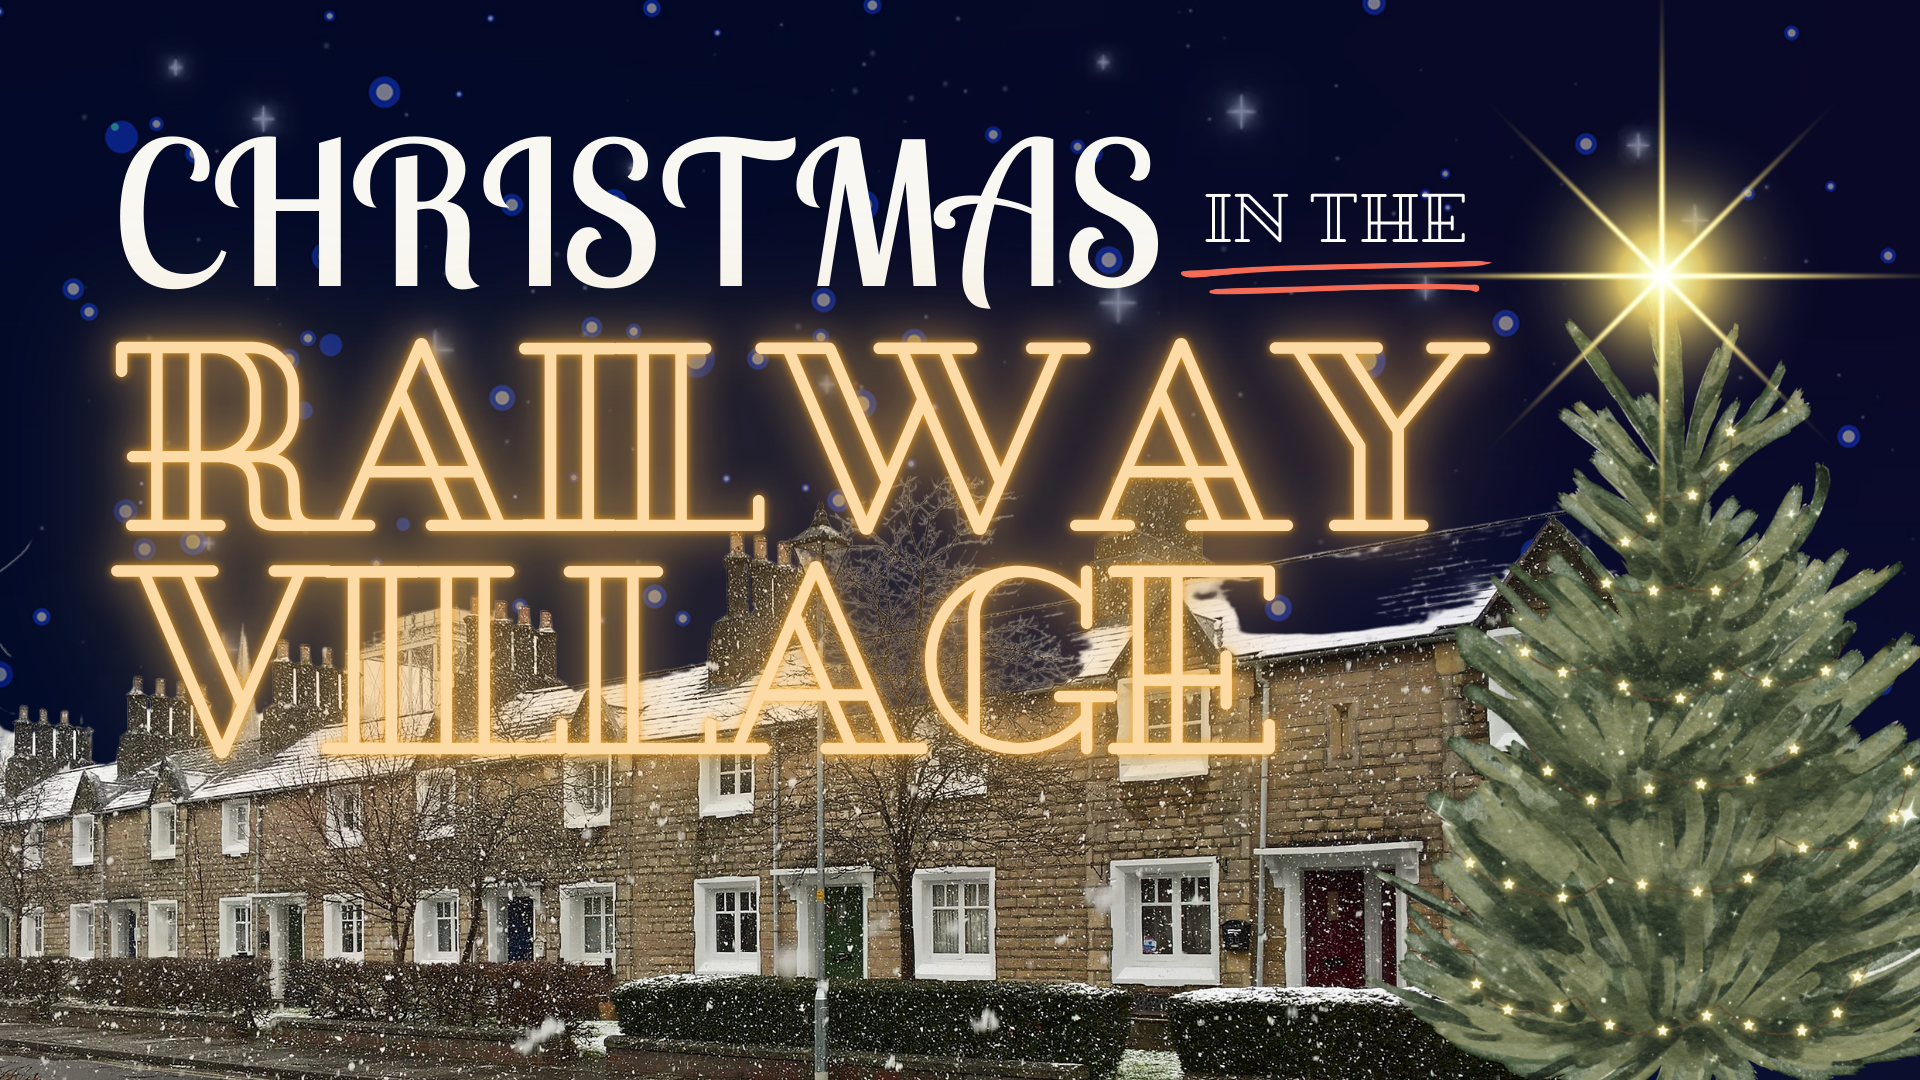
820 538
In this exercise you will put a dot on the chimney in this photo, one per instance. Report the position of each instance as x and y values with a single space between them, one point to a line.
546 653
760 548
736 544
500 611
306 655
326 655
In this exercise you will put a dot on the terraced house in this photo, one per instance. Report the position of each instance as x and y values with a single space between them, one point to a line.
1145 870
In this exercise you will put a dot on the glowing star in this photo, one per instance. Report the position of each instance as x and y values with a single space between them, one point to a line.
1563 673
1906 770
1706 1017
1747 878
1649 519
1609 1025
1653 590
1800 1029
1557 1006
1623 686
1766 680
1793 748
1592 800
1718 675
1753 564
1546 770
1507 1009
1640 884
1563 898
1680 699
1508 883
1524 651
1470 866
1692 495
1751 778
1119 303
1476 984
1606 583
1853 845
1662 1029
1825 670
1697 891
1803 849
1859 975
1836 1014
1701 784
1649 789
1715 591
1452 352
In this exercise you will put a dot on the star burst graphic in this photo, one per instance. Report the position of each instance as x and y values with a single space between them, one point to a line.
1665 278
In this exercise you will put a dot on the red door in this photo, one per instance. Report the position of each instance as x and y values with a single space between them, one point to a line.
1333 902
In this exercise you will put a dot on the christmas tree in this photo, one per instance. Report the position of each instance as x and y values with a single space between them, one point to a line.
1694 864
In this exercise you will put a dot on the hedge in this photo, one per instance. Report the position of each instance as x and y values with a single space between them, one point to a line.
1009 1021
228 986
516 995
1313 1033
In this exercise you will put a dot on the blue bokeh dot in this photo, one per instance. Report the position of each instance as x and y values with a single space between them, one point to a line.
126 510
699 366
73 288
1792 33
383 92
1108 260
91 311
653 595
1077 145
314 255
193 543
122 136
501 397
292 355
617 193
1378 366
1506 323
403 524
871 7
155 124
873 205
144 548
1848 436
651 8
1747 195
822 299
756 360
804 488
726 478
1585 143
514 204
1373 7
1886 255
821 335
41 616
633 329
1279 608
837 501
521 605
867 401
330 345
590 326
308 337
681 618
327 15
914 335
6 673
306 410
1830 185
993 134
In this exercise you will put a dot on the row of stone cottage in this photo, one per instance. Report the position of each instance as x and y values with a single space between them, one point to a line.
678 863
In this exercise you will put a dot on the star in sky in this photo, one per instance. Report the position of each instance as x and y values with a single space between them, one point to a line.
176 67
1102 62
263 119
1119 303
1240 112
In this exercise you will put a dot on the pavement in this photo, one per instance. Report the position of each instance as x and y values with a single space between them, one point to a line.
53 1052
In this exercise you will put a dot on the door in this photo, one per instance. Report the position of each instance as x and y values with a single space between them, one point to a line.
127 935
520 928
294 941
1334 909
846 932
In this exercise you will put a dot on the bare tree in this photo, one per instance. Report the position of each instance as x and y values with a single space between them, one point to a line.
900 814
24 881
507 827
361 832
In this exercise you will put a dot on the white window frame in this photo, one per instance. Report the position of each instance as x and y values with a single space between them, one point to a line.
1286 865
80 946
33 853
707 957
436 823
426 927
333 928
117 948
733 803
237 928
1500 734
493 905
236 827
928 964
83 839
163 831
587 781
163 928
573 923
339 833
1178 968
1135 767
33 932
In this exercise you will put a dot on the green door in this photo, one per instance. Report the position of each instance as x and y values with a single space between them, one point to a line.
846 932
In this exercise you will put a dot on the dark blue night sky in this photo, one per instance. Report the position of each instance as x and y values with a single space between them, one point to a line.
1260 98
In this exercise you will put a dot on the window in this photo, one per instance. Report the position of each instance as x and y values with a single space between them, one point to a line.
236 926
726 785
33 847
83 839
437 938
727 931
586 923
1196 718
33 932
236 826
163 832
433 803
345 929
953 923
80 931
1164 920
163 928
589 794
345 824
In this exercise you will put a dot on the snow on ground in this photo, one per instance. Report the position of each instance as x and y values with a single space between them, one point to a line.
594 1039
1149 1065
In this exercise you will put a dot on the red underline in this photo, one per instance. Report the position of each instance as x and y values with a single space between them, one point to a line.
1337 288
1330 266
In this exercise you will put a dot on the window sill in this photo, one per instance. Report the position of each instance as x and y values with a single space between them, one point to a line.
164 856
726 806
583 822
235 854
1185 973
729 964
947 967
1139 767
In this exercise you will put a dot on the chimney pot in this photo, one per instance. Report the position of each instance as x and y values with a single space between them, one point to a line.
159 687
280 650
326 656
306 656
23 717
760 548
63 718
137 681
500 610
736 544
525 616
786 553
43 716
546 620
